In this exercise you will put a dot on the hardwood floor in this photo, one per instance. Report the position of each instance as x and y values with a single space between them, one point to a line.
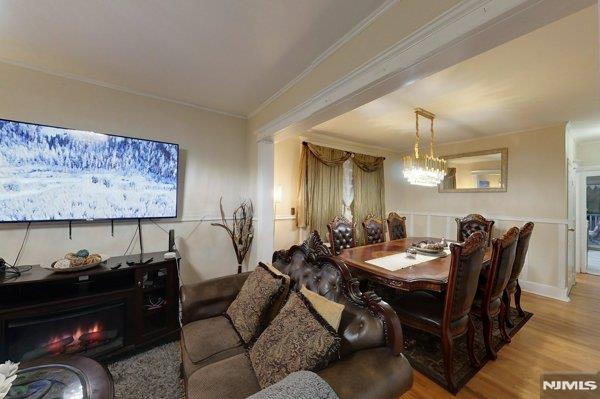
561 336
593 261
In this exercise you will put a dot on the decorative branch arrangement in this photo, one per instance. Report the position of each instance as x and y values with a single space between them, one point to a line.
241 231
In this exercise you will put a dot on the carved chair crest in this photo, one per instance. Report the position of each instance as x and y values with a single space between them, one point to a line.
396 226
374 229
472 223
342 234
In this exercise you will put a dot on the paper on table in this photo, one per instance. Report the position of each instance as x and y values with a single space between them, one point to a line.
400 261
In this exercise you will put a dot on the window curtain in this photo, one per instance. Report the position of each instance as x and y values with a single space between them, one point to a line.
348 187
321 189
369 190
336 182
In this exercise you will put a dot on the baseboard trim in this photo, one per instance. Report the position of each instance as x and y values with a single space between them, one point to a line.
550 291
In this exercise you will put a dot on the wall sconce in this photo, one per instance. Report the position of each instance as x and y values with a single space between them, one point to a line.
278 194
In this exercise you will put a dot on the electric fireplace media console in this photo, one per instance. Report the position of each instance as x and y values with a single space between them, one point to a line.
100 313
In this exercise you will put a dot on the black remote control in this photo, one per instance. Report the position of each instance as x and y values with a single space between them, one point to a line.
116 266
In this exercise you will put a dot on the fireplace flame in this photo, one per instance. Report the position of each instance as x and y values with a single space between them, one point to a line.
57 344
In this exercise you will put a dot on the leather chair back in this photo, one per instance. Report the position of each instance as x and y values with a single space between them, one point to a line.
521 252
374 230
463 279
342 234
396 226
367 321
472 223
503 258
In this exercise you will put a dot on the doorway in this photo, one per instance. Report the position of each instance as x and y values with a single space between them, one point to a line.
592 201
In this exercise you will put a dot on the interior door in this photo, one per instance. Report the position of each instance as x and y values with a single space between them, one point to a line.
592 201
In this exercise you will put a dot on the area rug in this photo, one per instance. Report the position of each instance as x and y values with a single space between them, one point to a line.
154 374
423 350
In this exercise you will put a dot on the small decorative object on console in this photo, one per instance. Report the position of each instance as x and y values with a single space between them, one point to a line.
241 232
74 262
8 373
429 247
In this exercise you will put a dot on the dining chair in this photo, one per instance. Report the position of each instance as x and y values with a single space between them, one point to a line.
342 234
513 287
472 223
492 283
374 229
396 226
449 316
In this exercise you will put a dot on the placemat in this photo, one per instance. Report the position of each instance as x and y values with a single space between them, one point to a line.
400 261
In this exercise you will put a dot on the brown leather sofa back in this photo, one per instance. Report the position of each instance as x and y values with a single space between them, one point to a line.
367 322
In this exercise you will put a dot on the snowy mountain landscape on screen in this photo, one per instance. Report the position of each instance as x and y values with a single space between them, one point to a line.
49 173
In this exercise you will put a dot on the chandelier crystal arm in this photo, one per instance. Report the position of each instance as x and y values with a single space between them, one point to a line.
417 134
431 142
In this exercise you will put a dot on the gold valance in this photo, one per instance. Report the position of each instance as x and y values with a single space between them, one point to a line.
332 156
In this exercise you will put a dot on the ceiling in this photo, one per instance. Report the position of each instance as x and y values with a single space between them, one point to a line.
546 77
227 55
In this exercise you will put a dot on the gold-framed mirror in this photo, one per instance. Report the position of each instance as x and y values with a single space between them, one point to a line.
476 172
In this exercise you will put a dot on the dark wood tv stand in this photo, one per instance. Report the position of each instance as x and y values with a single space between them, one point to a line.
133 290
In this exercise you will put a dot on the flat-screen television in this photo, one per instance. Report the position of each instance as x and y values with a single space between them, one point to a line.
51 173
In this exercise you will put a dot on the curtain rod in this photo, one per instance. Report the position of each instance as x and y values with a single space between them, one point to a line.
351 152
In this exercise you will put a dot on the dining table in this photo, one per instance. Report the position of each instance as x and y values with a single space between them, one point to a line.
387 263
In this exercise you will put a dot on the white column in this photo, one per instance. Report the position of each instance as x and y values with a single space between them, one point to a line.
265 234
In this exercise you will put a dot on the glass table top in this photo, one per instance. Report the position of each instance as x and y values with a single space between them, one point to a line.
51 381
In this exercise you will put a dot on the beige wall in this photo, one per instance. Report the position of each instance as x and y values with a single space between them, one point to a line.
287 161
536 179
397 23
587 153
214 155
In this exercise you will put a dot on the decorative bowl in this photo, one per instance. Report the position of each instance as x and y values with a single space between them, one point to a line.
73 269
429 247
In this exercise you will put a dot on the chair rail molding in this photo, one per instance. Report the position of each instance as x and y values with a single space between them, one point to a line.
488 216
465 30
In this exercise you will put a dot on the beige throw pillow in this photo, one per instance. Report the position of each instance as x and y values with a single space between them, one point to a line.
297 339
250 310
329 310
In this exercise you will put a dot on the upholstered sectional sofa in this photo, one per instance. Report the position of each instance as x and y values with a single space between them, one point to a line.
370 365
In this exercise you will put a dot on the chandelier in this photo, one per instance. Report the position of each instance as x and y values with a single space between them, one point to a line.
428 171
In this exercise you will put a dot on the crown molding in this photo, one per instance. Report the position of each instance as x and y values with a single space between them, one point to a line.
123 89
321 137
460 24
361 26
324 139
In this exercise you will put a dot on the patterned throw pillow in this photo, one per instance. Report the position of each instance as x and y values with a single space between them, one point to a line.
250 310
297 339
329 310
